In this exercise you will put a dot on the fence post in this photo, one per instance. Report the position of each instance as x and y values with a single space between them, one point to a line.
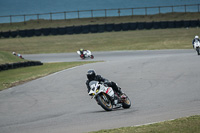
105 13
78 14
50 16
92 13
159 9
119 12
65 16
24 19
10 19
145 11
185 8
172 9
132 11
38 18
198 7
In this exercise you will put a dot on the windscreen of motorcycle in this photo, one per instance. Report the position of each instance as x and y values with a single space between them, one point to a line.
93 85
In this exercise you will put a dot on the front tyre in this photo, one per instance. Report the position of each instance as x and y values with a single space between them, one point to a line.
92 57
82 56
104 101
197 49
126 103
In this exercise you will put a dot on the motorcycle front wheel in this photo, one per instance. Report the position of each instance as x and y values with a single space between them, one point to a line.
104 101
126 103
197 49
92 57
82 57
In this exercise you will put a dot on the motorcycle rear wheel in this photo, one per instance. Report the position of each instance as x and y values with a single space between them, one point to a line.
104 102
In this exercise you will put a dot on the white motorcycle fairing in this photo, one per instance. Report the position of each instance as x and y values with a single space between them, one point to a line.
197 46
97 88
86 54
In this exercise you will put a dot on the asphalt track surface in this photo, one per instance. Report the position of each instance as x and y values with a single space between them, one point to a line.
162 85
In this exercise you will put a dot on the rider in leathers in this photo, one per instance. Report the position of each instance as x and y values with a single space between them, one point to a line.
81 51
196 38
91 75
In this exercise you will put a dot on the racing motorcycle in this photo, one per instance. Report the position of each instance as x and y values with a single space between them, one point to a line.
18 55
197 46
86 54
106 97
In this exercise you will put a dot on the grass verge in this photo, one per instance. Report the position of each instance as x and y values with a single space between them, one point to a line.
6 57
124 40
18 76
182 125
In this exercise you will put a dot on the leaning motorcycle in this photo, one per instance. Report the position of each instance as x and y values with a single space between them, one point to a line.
197 46
107 98
86 54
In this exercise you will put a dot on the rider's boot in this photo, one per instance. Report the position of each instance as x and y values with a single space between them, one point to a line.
121 94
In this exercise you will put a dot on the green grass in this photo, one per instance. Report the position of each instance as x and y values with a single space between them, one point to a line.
180 38
183 125
18 76
6 57
123 40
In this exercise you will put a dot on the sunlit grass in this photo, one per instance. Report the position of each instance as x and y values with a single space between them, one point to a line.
108 41
17 76
6 57
182 125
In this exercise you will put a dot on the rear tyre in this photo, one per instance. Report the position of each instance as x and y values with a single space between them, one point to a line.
126 103
104 102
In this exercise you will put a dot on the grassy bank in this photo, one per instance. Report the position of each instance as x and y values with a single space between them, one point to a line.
34 24
182 125
124 40
18 76
6 57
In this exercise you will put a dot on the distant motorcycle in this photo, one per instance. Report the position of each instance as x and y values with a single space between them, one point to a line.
18 55
86 54
106 97
197 46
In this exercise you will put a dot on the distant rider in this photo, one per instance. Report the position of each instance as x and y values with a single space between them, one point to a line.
81 51
91 75
196 38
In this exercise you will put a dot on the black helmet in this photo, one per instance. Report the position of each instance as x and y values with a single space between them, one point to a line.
91 74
